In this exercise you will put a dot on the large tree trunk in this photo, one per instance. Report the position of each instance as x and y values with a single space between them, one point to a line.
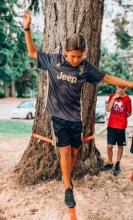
63 17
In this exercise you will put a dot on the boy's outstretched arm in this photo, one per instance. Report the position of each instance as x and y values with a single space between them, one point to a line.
32 50
113 80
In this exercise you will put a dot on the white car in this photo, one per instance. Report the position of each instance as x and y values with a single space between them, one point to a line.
25 110
101 114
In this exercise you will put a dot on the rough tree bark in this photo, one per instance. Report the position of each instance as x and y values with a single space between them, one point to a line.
40 161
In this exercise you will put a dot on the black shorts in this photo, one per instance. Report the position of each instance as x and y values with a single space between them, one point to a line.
116 136
67 132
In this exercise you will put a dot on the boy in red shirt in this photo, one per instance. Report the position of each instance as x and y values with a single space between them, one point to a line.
119 106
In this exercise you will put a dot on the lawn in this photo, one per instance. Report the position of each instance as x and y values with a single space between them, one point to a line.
15 128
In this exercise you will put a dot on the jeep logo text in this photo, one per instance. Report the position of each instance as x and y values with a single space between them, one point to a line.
71 79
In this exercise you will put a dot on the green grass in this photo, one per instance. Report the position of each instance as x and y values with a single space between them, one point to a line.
15 128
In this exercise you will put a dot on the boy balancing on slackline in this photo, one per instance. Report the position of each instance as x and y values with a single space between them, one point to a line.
66 74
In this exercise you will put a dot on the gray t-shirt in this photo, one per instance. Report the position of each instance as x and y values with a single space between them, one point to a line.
65 84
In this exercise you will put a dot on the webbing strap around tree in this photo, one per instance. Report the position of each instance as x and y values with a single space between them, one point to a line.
40 137
48 140
89 138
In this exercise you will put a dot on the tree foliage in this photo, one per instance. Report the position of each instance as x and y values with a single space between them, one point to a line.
122 35
121 31
14 62
34 5
7 45
115 64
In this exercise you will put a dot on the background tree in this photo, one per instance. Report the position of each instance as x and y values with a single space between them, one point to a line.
121 24
24 68
6 44
40 160
116 64
14 64
117 59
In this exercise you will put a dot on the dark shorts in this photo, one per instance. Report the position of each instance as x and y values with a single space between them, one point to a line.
116 136
67 132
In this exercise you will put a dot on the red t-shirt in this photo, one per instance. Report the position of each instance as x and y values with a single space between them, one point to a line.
118 114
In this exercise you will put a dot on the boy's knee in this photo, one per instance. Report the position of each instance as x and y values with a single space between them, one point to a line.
110 146
65 152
